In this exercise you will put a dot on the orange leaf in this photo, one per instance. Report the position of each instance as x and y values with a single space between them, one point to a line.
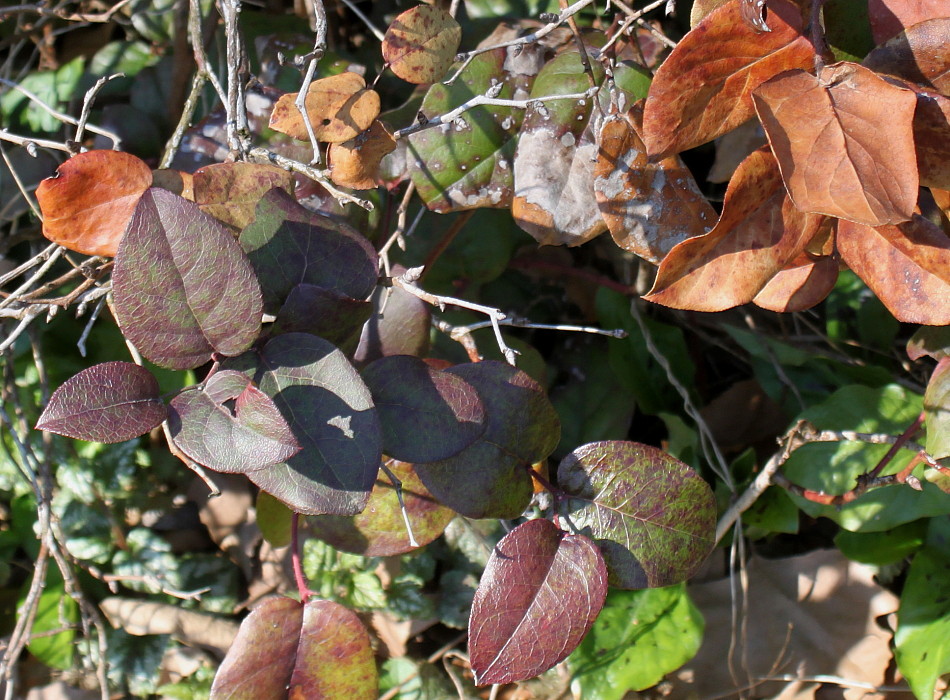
918 54
177 181
355 163
230 191
704 88
844 142
759 232
648 207
907 266
88 204
889 17
804 282
420 44
339 108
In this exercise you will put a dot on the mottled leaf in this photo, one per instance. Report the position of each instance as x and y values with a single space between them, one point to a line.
918 54
653 517
380 531
319 311
109 402
251 436
844 142
230 191
800 285
890 17
355 163
704 88
285 649
420 44
540 593
649 207
937 408
522 429
758 233
87 205
339 106
907 266
426 414
288 245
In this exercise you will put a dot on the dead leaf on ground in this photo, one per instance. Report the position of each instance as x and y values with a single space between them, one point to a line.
844 142
907 266
807 615
648 207
918 54
420 44
230 191
355 163
88 204
890 17
339 107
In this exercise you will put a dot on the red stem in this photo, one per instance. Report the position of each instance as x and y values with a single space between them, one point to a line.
295 545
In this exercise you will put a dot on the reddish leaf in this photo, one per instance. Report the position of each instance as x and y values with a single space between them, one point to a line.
844 142
890 17
649 207
918 54
420 44
704 88
759 232
284 649
109 402
339 106
87 206
653 517
230 191
802 284
380 531
254 436
539 595
183 288
907 266
402 330
426 414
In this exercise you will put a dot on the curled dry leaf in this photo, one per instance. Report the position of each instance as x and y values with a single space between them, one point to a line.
890 17
339 107
355 163
932 137
230 191
704 88
844 142
648 207
907 266
420 44
918 54
88 204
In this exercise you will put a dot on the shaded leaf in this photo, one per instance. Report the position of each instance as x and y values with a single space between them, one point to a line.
758 233
285 649
932 137
402 330
230 191
704 88
420 44
883 548
426 414
289 245
800 285
907 266
183 288
355 163
652 516
917 54
109 402
319 311
890 17
649 207
380 531
932 341
937 408
844 142
339 106
522 429
274 519
88 204
252 436
753 14
175 181
540 593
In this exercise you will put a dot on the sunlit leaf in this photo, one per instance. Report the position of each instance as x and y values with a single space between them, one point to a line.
937 408
339 106
355 163
800 285
420 44
890 17
917 54
230 191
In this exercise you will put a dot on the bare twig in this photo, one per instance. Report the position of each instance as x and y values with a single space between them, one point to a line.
87 106
198 48
319 47
397 485
191 104
31 143
236 124
365 20
262 155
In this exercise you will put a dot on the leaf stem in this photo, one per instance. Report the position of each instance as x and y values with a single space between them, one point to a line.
295 545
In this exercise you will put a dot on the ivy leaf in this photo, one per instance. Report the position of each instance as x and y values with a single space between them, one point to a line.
183 288
540 593
109 402
251 437
653 517
426 414
420 44
285 649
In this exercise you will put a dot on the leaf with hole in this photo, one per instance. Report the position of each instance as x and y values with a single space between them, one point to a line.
339 107
420 44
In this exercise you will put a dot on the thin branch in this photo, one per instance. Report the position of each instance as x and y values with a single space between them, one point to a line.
397 485
188 111
236 124
198 48
319 47
262 155
98 17
365 20
87 105
31 143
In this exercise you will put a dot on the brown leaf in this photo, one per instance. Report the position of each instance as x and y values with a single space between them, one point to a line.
844 142
759 231
177 181
339 107
420 44
890 17
355 163
88 204
735 147
907 266
230 191
802 284
918 54
648 207
932 138
704 88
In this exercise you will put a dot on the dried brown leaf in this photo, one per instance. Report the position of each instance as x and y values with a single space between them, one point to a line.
802 284
420 44
355 163
230 191
890 17
918 54
339 107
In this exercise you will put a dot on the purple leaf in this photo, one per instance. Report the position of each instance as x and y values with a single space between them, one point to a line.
287 650
489 478
402 330
653 517
426 414
111 402
254 436
331 315
539 595
183 287
288 245
331 413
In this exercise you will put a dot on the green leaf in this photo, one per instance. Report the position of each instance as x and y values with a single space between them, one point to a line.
937 407
54 88
882 548
639 637
273 518
847 29
774 511
55 611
